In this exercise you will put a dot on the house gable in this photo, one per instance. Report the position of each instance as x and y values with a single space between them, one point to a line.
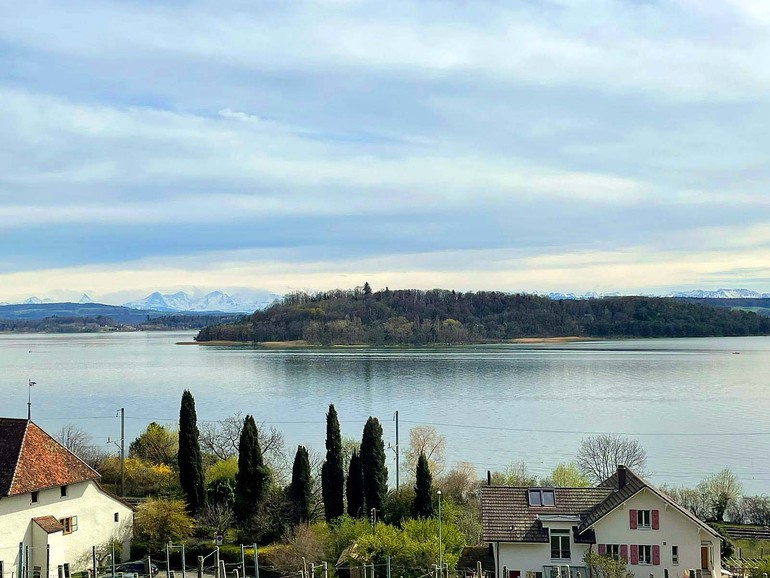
32 460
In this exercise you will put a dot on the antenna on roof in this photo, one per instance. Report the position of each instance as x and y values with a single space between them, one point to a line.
29 399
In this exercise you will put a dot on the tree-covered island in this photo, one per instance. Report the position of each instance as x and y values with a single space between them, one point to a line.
416 317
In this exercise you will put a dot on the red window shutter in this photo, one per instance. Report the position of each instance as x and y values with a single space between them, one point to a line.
632 519
655 519
624 552
634 554
602 549
656 555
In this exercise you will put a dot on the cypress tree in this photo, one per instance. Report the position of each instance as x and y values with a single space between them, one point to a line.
332 474
374 472
253 476
189 456
355 487
300 490
423 497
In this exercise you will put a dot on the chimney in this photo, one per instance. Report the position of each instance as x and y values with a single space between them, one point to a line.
489 478
621 477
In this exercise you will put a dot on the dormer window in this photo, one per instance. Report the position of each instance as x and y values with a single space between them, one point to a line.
542 497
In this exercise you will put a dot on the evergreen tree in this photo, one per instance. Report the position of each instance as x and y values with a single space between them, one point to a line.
332 474
367 288
423 497
253 476
374 472
300 488
189 457
355 487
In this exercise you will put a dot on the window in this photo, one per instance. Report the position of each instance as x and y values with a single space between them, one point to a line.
64 491
560 545
643 519
117 516
645 554
665 573
66 569
613 551
70 524
675 554
542 497
35 497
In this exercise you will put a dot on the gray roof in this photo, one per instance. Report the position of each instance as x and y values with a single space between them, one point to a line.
508 517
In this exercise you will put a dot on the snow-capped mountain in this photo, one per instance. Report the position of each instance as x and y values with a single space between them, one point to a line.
721 294
589 295
214 301
85 299
36 301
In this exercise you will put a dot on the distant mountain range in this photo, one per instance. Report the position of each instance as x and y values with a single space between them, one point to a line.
694 294
180 302
214 301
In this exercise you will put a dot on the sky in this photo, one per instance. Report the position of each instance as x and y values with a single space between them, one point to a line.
581 145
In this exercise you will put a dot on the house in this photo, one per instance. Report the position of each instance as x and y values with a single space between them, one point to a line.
52 508
545 532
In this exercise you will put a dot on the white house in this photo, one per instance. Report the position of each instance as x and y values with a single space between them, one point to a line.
545 532
52 508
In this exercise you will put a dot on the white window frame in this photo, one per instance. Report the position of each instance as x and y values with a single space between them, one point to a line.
644 519
612 551
645 560
561 535
70 524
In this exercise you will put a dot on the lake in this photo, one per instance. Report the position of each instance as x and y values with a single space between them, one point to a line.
695 405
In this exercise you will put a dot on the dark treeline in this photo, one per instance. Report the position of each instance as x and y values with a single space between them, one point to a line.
77 324
415 317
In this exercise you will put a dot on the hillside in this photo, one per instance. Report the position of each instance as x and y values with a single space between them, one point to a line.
440 316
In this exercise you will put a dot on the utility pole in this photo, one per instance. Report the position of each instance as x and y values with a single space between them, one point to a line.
397 449
29 399
122 412
393 448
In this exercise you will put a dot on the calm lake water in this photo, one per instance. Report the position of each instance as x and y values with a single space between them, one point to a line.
695 406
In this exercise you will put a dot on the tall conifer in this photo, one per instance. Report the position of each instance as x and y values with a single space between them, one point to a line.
253 476
332 473
375 474
189 456
423 497
300 488
355 488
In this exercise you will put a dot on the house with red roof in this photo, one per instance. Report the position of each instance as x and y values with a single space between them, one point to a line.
546 532
52 508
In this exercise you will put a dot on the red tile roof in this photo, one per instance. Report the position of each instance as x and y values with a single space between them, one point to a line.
49 524
32 460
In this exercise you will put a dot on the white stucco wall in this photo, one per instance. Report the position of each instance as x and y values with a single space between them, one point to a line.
95 510
674 529
532 557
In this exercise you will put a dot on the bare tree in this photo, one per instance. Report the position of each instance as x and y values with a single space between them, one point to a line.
599 456
425 439
79 443
219 517
222 438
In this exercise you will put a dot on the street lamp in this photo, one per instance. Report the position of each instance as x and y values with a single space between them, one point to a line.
440 553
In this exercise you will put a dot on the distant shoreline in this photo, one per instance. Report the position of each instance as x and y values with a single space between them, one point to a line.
300 343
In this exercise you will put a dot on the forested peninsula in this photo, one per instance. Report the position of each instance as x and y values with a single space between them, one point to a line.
416 317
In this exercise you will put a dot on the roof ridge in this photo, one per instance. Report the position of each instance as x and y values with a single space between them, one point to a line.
18 458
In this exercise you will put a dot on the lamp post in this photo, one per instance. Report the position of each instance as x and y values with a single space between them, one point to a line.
440 552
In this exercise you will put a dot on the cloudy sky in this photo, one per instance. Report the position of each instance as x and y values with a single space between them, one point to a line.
555 145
